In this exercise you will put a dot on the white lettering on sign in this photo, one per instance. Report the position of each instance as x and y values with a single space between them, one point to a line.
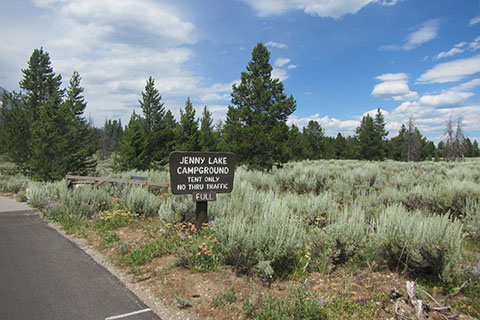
203 170
196 187
192 160
217 186
217 160
204 197
194 179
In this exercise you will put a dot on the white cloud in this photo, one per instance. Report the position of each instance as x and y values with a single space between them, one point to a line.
215 97
280 62
388 89
467 85
475 45
116 46
392 77
428 31
46 3
273 44
459 48
389 47
331 125
451 71
474 21
278 73
446 98
321 8
449 53
130 19
394 86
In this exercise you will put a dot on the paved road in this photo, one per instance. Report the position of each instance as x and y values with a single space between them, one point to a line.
45 276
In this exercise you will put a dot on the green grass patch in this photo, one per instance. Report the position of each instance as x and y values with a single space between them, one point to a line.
145 254
108 239
72 224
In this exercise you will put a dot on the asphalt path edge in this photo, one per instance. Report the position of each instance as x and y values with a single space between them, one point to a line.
142 292
160 308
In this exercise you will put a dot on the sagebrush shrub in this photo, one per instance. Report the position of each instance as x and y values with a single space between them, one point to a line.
472 220
268 234
85 201
418 244
343 237
38 194
13 184
139 200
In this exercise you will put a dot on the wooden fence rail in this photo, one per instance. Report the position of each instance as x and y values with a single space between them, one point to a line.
97 181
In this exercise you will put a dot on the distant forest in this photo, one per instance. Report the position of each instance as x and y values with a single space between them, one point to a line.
45 133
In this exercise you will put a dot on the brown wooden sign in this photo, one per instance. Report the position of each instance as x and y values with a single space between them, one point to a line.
202 173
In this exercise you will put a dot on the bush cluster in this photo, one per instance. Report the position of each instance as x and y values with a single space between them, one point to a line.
406 216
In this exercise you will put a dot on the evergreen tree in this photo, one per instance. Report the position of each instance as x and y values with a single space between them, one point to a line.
44 131
397 145
340 147
314 134
476 149
441 149
39 83
256 128
170 125
186 132
148 140
297 144
381 134
370 135
48 142
110 136
15 133
80 144
132 149
151 105
156 129
206 135
352 150
468 147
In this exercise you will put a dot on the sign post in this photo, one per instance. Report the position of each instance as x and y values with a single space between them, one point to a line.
202 174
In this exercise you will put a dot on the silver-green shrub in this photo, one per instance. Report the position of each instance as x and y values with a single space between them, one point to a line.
313 210
450 197
139 200
165 212
472 220
85 201
418 244
344 236
39 194
13 184
262 232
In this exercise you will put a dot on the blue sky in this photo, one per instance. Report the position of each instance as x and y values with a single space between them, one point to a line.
339 59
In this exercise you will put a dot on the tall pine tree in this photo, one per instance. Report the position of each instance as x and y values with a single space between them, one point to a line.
157 131
371 137
314 134
132 148
256 128
186 132
81 143
44 130
206 135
